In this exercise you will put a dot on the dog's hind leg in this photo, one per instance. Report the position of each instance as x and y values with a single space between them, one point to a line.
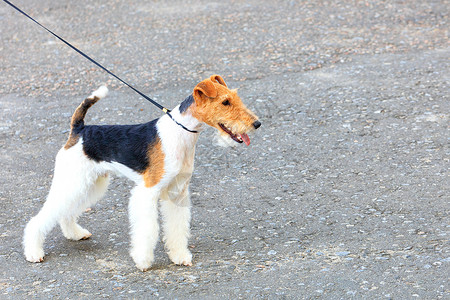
68 222
38 227
70 186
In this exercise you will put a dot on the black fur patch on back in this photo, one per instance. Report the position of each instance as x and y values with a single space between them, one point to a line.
125 144
186 103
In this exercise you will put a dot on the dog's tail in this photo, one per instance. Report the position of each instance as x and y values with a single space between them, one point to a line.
79 114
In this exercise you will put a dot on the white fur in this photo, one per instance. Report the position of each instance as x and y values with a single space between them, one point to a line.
76 186
101 92
121 170
176 229
79 182
224 140
143 214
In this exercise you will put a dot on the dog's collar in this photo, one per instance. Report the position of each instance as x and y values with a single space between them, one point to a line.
183 107
179 124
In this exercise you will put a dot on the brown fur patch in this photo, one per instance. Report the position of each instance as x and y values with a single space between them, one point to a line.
155 171
207 88
73 139
218 79
78 119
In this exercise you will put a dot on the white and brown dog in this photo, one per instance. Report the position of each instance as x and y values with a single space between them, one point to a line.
158 156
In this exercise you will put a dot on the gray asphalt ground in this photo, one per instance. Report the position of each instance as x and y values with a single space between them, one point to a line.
342 194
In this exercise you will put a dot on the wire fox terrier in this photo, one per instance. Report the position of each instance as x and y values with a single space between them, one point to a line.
158 156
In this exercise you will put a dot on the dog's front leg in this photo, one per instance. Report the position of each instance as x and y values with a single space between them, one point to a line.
176 214
143 214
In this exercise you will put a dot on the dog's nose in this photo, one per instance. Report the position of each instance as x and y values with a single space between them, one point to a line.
256 124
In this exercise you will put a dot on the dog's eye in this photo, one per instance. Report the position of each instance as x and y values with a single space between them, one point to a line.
226 102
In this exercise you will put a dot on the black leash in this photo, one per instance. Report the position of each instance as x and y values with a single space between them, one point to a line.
165 110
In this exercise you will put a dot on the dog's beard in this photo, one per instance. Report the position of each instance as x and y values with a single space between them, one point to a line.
224 140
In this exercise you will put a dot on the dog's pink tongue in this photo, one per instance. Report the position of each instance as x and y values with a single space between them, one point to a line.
245 138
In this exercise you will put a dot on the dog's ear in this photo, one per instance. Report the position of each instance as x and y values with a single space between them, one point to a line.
218 79
207 88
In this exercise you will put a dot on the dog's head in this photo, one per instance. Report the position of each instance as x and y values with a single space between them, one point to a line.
221 108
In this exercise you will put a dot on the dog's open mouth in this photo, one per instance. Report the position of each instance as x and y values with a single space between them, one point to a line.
243 137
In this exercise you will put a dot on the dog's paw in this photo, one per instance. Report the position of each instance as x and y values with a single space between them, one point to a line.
76 233
35 256
144 266
143 262
86 236
183 257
